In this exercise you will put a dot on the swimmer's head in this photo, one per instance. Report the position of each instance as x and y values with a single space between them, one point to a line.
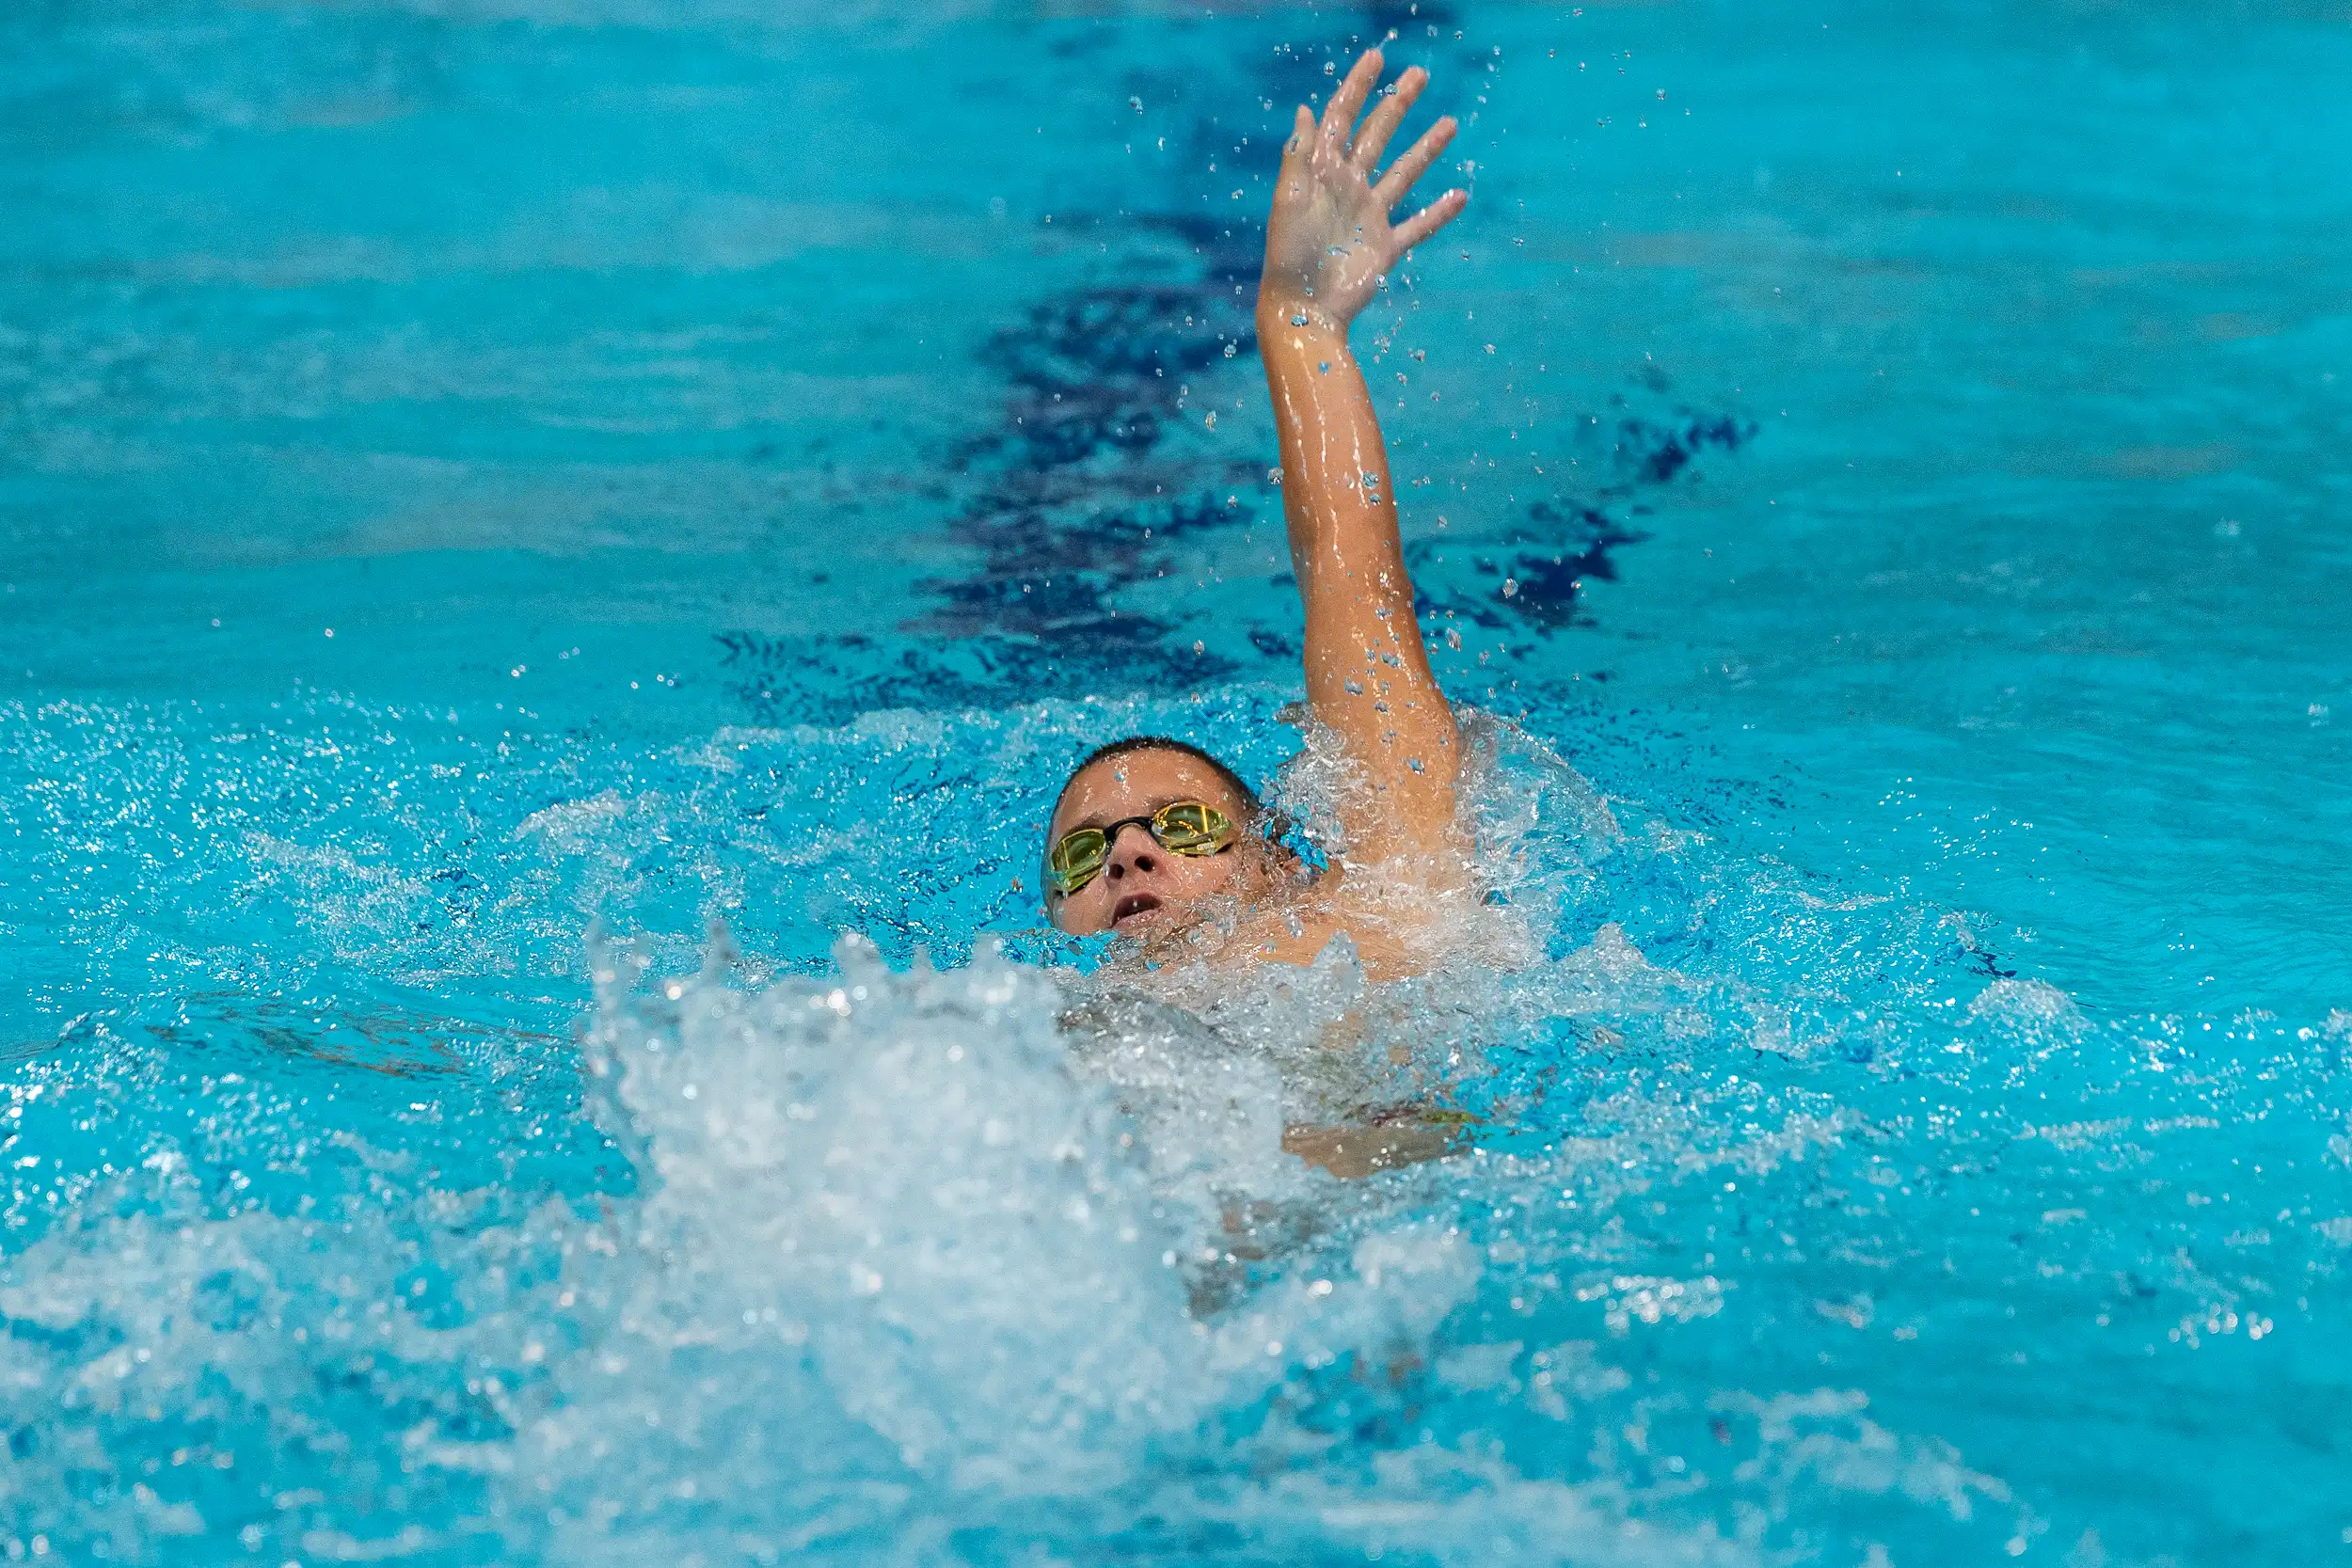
1142 886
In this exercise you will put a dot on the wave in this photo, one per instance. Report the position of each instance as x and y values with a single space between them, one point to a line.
1749 1193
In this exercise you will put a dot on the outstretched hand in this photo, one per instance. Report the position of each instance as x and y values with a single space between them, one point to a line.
1328 239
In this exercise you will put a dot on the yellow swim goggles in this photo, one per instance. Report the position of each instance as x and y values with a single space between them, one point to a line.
1180 827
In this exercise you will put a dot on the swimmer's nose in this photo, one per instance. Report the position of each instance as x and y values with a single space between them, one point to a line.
1131 852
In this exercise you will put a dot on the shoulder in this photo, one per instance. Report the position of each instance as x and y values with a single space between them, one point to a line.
1296 928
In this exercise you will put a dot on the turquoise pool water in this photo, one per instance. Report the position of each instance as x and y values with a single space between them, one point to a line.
528 519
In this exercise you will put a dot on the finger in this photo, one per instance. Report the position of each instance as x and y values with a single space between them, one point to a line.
1302 132
1381 124
1338 115
1430 219
1414 164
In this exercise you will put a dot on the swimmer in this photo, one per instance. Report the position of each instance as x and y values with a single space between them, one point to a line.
1149 833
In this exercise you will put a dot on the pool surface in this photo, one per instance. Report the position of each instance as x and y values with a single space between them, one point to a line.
557 551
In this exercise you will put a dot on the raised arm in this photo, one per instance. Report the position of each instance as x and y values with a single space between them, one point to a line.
1328 244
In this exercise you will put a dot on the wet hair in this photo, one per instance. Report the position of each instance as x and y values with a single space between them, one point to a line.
1249 797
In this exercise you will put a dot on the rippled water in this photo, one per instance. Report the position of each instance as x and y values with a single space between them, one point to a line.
558 553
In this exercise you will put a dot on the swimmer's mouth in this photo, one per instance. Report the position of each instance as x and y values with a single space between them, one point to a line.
1133 904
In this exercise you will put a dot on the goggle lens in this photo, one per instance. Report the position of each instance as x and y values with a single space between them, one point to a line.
1191 828
1077 860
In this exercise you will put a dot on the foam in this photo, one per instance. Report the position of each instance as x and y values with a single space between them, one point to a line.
943 1263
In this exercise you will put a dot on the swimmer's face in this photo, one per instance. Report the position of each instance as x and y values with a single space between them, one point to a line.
1144 888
